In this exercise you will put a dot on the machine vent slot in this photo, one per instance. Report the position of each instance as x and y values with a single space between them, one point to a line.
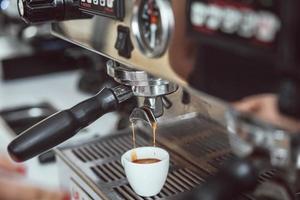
125 192
204 146
208 145
178 181
212 143
78 155
105 149
108 172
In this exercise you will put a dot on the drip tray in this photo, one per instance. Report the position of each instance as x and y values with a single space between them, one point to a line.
195 156
100 162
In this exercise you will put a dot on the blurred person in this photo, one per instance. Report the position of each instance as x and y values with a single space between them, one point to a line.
265 107
13 188
208 74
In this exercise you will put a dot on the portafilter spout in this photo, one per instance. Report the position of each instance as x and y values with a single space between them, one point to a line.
144 114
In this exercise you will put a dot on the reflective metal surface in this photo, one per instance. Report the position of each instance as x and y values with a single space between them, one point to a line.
96 166
248 134
122 93
171 55
99 34
144 114
142 83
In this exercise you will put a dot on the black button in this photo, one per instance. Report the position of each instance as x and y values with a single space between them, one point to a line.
123 43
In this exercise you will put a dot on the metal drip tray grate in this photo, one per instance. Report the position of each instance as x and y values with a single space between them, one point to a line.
220 160
194 158
105 149
208 144
109 172
178 181
100 162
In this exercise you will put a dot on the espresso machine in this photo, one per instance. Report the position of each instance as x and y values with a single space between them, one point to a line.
154 47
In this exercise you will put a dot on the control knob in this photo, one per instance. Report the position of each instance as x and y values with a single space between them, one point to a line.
37 11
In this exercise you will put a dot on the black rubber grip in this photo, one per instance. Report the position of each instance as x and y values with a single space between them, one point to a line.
61 126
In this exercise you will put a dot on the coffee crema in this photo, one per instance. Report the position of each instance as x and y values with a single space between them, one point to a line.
153 126
134 154
146 161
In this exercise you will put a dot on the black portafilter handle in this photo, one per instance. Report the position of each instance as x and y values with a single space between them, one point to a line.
65 124
235 178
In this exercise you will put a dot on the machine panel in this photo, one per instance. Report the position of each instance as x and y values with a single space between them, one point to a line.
100 34
109 8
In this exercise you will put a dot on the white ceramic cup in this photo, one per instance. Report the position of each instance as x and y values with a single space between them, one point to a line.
146 179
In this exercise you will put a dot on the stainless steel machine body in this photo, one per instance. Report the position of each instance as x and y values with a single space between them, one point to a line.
100 34
197 142
92 170
144 85
198 146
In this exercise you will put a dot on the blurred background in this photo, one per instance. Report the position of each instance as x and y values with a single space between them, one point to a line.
39 75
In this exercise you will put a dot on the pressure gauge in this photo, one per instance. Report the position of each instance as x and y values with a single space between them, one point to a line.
152 25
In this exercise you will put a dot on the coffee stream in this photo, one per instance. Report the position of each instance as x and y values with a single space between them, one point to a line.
133 135
154 127
134 154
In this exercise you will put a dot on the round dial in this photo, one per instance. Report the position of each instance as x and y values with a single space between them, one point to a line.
152 25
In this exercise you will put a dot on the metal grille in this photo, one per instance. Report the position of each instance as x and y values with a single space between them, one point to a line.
206 147
106 149
102 159
217 162
194 157
178 181
108 172
208 144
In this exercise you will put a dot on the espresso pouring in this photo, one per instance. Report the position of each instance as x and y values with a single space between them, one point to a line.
134 154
